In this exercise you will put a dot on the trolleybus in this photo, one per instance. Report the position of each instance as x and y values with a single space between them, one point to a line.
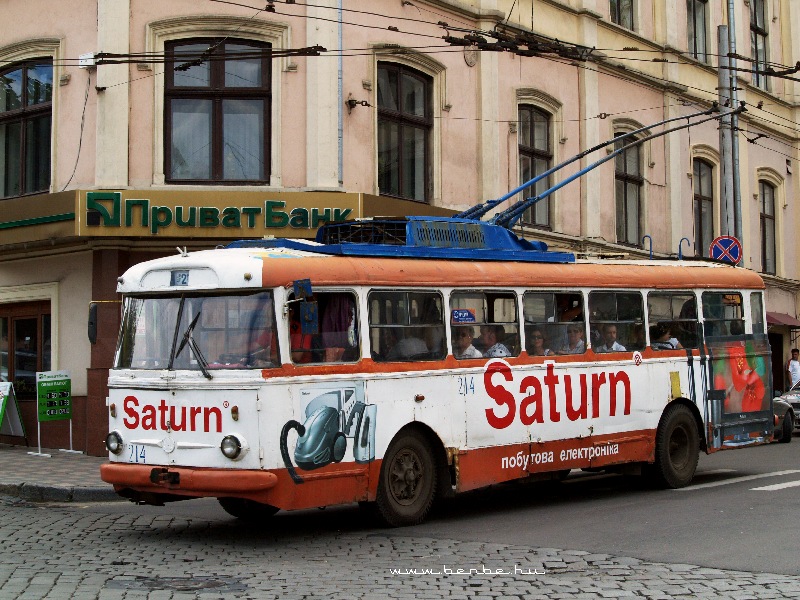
394 362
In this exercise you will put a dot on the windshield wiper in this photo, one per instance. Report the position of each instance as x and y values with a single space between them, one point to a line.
188 339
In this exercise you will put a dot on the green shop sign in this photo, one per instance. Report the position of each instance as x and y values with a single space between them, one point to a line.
108 209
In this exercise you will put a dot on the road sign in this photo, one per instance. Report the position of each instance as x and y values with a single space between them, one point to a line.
727 248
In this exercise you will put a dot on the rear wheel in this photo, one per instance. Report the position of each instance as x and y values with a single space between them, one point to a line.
247 510
677 448
407 485
787 428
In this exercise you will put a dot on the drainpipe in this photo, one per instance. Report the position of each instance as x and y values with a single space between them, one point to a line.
341 96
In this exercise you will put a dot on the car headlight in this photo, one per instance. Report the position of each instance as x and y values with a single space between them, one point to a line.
231 447
114 442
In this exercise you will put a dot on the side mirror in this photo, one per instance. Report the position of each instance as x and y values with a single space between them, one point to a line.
92 323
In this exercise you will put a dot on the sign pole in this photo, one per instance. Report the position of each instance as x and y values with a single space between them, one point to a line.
54 399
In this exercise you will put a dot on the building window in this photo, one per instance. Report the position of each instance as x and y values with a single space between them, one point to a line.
703 206
26 106
217 112
696 26
405 122
766 193
535 157
758 43
622 13
24 345
628 192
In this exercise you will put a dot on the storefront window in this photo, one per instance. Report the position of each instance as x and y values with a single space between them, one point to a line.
25 335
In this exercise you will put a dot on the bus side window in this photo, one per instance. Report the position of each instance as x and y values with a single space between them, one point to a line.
615 321
547 317
406 326
757 312
338 338
493 315
672 320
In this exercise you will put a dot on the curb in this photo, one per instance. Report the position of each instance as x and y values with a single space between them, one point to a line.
34 492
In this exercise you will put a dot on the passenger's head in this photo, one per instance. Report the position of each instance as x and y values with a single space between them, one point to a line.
574 333
659 333
462 337
490 334
536 341
609 333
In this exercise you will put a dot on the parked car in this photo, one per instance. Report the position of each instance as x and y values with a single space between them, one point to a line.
784 419
787 413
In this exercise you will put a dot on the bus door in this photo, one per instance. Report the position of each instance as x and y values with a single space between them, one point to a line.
738 400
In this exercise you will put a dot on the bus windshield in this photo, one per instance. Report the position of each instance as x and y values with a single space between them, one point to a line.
198 332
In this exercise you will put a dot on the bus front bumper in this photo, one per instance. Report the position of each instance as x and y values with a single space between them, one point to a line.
184 481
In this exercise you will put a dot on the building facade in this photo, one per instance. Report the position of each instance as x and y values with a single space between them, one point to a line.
131 127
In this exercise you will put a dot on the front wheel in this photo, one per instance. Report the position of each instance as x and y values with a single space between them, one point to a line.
407 485
247 510
677 447
787 428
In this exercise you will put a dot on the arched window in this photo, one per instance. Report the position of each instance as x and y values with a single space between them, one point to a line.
217 111
703 206
766 195
26 107
535 157
628 191
405 123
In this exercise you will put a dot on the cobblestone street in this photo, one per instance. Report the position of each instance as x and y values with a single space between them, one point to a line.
59 551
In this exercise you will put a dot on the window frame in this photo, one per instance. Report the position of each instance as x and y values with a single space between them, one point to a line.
217 92
529 217
408 325
767 220
403 119
759 32
618 14
625 178
26 114
695 8
698 200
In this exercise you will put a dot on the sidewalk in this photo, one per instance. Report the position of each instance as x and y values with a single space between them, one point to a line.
64 477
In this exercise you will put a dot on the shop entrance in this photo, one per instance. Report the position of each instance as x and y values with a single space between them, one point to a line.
24 345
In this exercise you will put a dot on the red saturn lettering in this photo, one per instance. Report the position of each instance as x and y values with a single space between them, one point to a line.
532 405
164 416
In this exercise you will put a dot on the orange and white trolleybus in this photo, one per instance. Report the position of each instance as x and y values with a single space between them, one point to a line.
394 362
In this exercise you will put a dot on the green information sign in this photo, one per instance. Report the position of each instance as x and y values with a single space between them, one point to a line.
10 420
54 392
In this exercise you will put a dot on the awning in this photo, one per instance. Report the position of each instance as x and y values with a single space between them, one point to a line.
775 318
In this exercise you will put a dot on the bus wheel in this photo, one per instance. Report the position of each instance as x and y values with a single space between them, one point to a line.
677 448
247 510
407 484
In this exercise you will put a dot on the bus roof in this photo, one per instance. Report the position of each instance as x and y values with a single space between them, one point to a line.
252 268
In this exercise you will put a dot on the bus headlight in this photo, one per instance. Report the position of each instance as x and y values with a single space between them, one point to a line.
231 447
114 442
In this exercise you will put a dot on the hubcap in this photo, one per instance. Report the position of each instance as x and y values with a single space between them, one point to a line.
404 477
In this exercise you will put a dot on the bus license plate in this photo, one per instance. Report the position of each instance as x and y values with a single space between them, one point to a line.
137 454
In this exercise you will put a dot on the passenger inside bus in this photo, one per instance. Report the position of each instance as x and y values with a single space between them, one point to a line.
575 343
536 343
491 336
300 343
406 343
661 338
610 343
462 343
